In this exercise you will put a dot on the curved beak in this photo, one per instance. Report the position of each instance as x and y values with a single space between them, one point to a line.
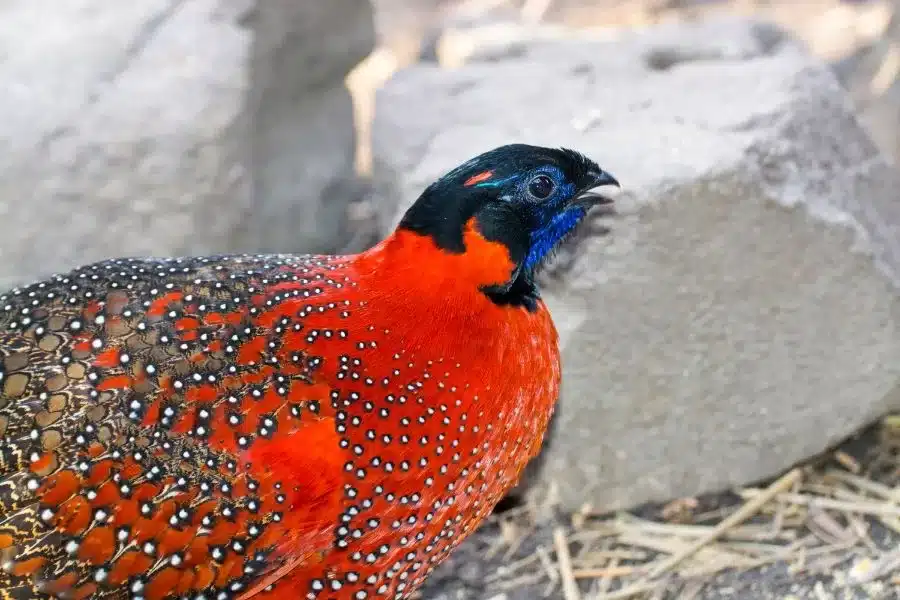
592 198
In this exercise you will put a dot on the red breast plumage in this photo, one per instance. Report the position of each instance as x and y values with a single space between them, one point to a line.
318 426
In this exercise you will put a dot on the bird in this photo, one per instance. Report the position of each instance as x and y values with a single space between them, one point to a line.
307 426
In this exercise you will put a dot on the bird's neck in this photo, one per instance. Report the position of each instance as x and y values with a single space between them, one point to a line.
482 262
419 288
431 307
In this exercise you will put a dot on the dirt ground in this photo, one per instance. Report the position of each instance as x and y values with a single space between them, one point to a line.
826 530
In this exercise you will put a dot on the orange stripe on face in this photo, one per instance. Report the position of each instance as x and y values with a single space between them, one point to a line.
483 176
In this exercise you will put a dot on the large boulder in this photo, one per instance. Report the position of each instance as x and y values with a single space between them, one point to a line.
303 138
171 127
741 315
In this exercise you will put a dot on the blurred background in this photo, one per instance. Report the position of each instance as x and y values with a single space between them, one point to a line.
857 38
731 351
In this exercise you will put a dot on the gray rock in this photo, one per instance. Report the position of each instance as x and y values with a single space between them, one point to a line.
303 137
741 315
153 128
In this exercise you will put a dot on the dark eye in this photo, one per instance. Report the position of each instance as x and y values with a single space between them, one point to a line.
541 187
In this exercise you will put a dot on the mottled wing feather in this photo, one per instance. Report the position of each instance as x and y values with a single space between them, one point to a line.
143 409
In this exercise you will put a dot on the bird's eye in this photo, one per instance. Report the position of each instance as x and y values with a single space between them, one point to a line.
541 187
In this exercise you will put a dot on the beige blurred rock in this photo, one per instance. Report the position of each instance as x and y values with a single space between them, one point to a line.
402 24
172 127
742 313
871 74
459 45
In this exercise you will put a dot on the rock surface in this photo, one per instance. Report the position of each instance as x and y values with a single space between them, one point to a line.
303 136
742 313
173 126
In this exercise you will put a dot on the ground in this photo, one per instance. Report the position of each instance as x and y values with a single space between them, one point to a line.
826 530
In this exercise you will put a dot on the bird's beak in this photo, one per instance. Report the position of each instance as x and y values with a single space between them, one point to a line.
605 178
591 198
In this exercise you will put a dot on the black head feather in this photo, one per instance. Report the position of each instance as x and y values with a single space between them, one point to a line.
527 197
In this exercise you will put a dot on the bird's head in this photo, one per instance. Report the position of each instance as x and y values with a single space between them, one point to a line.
523 200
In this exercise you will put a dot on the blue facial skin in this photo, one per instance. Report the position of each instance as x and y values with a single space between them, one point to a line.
549 221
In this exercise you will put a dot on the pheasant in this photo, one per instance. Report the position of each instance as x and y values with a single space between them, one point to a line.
310 426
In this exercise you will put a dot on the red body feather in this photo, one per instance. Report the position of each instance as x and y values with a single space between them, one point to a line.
314 427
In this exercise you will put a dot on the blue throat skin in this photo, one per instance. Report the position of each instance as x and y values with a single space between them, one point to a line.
546 239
